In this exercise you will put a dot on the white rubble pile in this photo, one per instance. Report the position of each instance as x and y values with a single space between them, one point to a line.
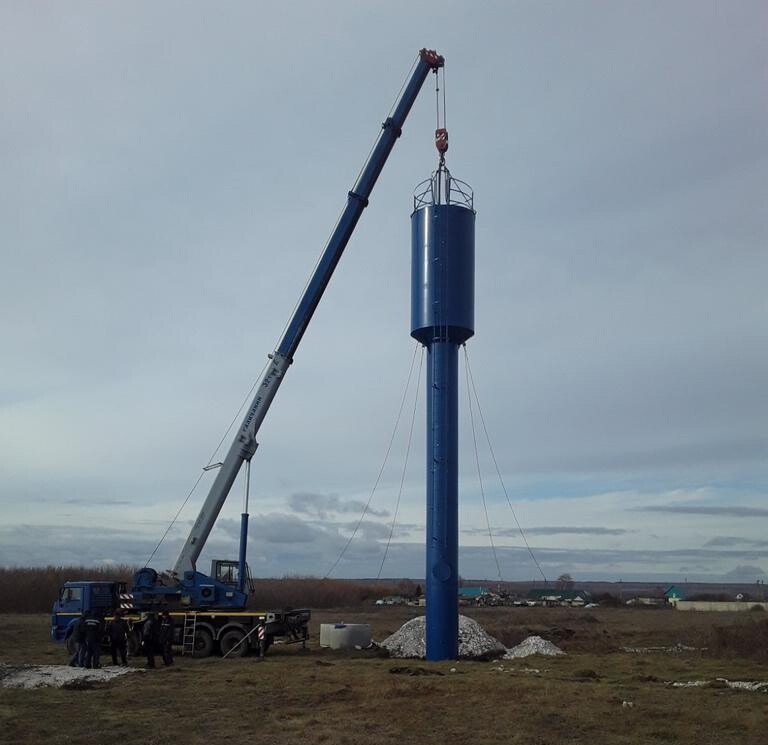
533 645
739 685
523 670
408 640
687 683
674 649
56 676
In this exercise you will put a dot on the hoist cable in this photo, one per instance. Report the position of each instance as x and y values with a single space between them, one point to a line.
480 476
383 465
210 461
405 466
445 108
498 470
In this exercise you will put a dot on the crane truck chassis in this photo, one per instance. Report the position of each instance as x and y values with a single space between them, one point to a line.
211 610
199 633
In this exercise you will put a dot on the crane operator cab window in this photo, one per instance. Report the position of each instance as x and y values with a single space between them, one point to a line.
226 572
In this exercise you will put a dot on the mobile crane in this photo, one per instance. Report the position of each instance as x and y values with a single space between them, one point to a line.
210 610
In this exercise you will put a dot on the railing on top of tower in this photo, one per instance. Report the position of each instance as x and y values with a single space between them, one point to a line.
442 188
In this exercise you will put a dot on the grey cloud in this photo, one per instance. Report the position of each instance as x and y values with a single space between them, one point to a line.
374 530
564 530
323 505
746 573
37 545
95 502
734 540
275 528
691 509
598 262
281 545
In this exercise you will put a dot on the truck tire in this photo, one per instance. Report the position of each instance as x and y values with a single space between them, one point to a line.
71 645
230 640
203 643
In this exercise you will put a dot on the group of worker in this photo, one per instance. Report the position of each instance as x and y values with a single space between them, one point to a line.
90 629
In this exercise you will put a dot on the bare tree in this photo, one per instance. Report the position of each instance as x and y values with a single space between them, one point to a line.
564 582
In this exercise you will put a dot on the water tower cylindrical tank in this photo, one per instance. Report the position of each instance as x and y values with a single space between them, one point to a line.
442 318
442 273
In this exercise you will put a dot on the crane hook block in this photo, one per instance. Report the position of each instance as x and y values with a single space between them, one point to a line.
432 58
441 140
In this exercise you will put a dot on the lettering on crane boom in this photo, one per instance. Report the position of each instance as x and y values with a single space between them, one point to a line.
257 403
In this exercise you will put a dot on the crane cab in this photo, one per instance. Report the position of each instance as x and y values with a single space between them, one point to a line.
227 572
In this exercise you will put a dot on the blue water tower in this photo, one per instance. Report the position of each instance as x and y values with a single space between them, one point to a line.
442 318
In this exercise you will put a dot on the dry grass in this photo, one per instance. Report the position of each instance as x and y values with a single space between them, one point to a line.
324 697
749 639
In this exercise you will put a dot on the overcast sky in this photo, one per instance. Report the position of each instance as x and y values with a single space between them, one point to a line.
170 173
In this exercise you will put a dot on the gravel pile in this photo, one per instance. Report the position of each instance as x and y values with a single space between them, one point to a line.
57 676
408 640
533 645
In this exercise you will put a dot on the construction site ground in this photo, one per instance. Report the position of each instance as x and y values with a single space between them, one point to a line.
596 693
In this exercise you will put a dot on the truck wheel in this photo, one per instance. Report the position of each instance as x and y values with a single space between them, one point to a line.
71 644
134 645
203 644
232 639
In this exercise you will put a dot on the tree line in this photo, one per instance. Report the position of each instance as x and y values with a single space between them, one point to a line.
34 589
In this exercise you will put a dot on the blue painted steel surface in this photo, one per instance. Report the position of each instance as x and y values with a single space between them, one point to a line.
443 273
241 570
442 501
442 318
193 590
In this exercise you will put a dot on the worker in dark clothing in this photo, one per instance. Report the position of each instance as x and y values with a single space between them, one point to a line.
78 636
117 631
94 633
149 634
166 637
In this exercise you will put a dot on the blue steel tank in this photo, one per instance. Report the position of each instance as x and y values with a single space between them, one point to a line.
443 272
442 318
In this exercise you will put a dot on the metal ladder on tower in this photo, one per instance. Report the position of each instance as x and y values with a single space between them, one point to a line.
188 634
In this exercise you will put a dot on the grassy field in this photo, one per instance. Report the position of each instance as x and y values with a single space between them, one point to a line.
319 696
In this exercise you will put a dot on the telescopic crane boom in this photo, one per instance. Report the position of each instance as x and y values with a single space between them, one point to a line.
244 445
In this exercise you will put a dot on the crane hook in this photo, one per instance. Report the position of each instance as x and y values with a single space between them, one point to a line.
441 143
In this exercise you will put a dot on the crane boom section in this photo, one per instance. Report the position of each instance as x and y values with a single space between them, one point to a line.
244 445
